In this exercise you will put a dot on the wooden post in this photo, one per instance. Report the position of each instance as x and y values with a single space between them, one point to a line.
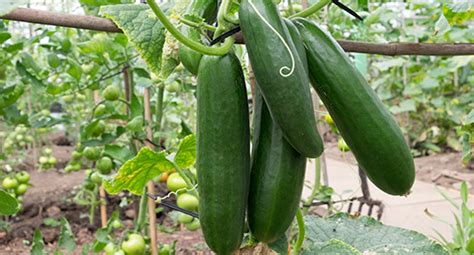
150 185
103 202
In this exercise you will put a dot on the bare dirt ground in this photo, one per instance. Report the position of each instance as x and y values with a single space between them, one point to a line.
51 197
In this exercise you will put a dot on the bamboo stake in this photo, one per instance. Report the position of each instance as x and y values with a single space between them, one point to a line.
103 202
150 185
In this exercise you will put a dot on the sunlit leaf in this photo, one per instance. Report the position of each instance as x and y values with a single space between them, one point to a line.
186 155
441 26
66 237
135 173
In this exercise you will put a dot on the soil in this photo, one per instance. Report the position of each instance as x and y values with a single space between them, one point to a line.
52 197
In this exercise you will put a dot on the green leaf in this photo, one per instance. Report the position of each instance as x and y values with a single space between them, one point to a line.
37 248
7 6
142 28
135 173
368 235
8 204
280 246
4 36
333 246
469 119
117 152
75 70
66 237
441 26
460 5
404 106
21 69
13 116
186 155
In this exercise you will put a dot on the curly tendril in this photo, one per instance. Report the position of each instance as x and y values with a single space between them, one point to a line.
175 193
285 71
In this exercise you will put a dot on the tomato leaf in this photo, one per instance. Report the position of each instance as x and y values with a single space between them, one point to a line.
145 32
337 233
135 173
66 237
8 204
186 155
37 248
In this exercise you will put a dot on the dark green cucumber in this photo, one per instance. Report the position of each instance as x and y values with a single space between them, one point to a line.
365 124
299 45
206 9
280 74
223 151
276 180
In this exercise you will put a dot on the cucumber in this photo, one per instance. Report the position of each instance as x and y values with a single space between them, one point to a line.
280 74
206 9
363 121
223 151
276 180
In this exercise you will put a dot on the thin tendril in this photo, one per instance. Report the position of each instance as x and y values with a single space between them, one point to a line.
283 68
177 191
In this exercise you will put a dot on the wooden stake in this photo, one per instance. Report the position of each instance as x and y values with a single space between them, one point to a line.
150 185
103 202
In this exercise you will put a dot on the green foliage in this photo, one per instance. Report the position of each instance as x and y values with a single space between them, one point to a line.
8 204
142 28
66 237
37 248
336 235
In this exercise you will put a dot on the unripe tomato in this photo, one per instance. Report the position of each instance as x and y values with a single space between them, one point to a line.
96 178
100 110
184 218
175 182
173 87
47 151
194 225
81 97
19 137
99 128
21 189
111 93
342 145
43 160
187 201
9 183
76 155
116 224
89 185
68 99
75 167
52 160
23 177
104 165
109 249
135 245
165 250
92 153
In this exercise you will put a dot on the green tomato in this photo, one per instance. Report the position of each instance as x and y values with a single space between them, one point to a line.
92 153
76 155
109 249
100 110
23 177
136 124
68 169
96 178
119 252
81 97
89 185
21 189
43 160
29 138
48 151
111 93
116 224
99 128
9 183
45 112
52 160
104 165
187 201
193 226
175 182
342 145
173 87
184 218
19 137
88 172
135 245
75 167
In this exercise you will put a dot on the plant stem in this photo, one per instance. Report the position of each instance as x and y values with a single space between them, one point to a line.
189 184
159 109
312 9
217 51
316 184
301 233
196 25
142 212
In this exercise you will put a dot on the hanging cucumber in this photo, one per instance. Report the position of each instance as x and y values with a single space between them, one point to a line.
276 180
363 121
280 74
223 151
206 9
